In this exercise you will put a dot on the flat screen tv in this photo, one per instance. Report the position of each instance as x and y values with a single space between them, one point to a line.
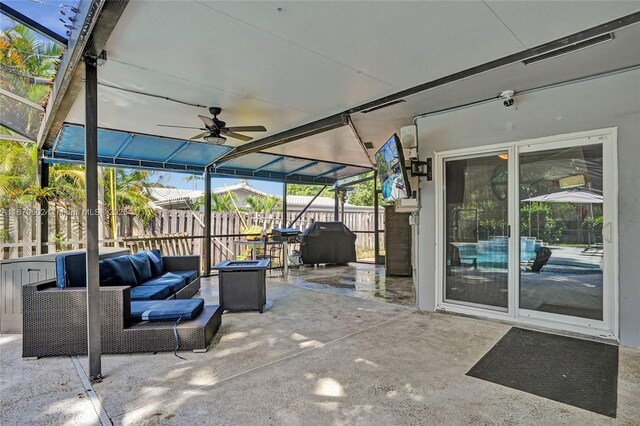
394 180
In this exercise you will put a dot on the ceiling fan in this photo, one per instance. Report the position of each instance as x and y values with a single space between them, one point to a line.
216 131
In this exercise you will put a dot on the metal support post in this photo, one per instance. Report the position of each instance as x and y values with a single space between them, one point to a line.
91 198
284 204
43 233
376 225
336 213
207 224
285 256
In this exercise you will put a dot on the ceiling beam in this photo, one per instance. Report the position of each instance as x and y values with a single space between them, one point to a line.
124 145
264 166
35 26
328 172
96 20
344 185
310 129
177 151
299 169
360 142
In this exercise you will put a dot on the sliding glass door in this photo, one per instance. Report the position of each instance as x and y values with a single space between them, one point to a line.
562 196
477 230
528 231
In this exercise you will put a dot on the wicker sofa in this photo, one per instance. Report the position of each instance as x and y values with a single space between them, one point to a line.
55 316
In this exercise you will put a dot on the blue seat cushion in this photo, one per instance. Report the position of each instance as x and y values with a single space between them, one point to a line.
188 275
141 266
155 261
71 270
167 310
117 271
171 280
150 292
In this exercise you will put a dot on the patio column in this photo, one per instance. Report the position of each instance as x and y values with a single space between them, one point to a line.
284 204
206 248
43 225
376 224
91 213
336 212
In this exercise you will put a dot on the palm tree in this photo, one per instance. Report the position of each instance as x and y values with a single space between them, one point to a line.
68 183
24 57
17 170
262 204
223 202
131 193
21 48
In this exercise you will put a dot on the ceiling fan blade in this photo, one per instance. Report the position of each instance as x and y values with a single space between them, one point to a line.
237 136
201 135
180 127
208 121
247 129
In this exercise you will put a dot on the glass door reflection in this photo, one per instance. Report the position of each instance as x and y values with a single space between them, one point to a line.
561 218
477 231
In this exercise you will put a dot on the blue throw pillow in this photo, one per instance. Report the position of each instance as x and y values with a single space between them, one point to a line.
117 271
141 266
155 259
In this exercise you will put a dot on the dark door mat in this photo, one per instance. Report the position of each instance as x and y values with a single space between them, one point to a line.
572 371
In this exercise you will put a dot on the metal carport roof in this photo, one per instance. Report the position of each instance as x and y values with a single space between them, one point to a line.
136 150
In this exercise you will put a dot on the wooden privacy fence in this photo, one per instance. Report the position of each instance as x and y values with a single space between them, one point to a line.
177 231
169 245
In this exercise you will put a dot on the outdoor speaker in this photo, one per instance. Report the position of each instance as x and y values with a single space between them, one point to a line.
408 136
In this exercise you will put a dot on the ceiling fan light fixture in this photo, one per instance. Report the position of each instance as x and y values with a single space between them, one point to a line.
214 129
215 140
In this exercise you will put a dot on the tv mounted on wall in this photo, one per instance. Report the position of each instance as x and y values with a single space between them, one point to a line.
394 180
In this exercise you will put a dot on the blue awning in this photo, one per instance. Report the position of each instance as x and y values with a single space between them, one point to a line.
118 148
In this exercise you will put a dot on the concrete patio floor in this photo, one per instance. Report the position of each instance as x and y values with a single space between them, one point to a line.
338 345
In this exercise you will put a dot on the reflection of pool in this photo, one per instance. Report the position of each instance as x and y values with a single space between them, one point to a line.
494 258
493 254
394 188
387 187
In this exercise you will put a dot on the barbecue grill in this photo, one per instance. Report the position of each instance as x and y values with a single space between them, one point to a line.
328 242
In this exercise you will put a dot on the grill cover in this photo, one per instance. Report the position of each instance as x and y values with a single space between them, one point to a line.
327 242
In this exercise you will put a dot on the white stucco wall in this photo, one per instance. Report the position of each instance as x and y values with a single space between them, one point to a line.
611 101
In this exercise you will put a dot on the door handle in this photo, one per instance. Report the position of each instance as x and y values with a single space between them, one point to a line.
607 232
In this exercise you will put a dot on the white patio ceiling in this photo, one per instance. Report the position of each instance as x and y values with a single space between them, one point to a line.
621 53
285 64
